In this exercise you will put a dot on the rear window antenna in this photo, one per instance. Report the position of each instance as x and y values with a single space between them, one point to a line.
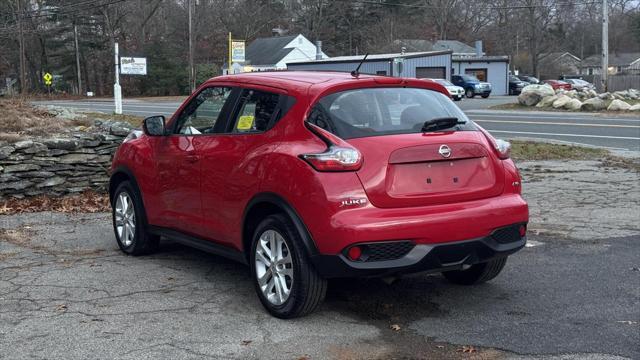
355 73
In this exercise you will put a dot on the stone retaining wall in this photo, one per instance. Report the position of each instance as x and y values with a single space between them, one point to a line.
57 166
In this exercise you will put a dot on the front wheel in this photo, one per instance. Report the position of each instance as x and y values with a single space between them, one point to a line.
128 222
485 96
470 93
286 282
476 274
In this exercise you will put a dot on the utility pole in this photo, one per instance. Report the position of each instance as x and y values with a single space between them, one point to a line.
605 44
117 91
23 62
75 36
192 77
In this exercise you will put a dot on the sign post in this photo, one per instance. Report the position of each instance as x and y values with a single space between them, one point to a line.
47 77
236 53
117 91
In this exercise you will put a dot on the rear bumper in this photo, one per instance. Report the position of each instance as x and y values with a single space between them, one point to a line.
422 258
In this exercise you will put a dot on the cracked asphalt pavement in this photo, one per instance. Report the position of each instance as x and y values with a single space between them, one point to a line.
67 292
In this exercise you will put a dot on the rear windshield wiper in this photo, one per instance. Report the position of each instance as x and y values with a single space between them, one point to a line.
441 124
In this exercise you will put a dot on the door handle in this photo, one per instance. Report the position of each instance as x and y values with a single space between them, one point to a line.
193 158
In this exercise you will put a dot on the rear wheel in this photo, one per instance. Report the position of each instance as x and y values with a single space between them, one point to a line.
286 282
128 222
476 274
470 93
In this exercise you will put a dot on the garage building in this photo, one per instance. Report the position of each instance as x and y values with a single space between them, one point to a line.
430 64
492 69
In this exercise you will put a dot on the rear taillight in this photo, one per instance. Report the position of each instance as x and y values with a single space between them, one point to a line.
339 156
501 147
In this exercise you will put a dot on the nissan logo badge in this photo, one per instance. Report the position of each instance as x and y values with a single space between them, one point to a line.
445 151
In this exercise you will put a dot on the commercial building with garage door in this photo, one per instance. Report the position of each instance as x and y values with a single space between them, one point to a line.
492 69
429 64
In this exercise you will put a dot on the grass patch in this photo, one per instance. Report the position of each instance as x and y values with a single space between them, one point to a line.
18 117
528 150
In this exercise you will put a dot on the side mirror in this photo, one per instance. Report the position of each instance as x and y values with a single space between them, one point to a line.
154 125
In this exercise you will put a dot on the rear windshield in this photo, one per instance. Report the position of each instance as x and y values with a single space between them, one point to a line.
384 111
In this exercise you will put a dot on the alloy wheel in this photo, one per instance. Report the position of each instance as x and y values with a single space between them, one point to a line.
274 267
125 219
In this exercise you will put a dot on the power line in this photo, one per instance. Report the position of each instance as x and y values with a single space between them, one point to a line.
506 7
67 9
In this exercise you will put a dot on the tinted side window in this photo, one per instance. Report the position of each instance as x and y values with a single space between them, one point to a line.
202 114
257 110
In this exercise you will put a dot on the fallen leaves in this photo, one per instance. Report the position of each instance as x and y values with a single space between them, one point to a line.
468 349
90 202
245 342
61 308
395 327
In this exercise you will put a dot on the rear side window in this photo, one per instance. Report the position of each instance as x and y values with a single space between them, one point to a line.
259 110
383 111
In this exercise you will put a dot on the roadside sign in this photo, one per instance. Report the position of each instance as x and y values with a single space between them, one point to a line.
237 51
47 79
133 66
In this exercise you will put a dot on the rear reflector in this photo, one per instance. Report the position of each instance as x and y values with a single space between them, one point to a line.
354 253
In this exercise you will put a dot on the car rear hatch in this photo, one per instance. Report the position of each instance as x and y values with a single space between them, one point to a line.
428 168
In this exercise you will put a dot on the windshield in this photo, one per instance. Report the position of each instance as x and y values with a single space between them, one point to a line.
469 78
513 79
384 111
443 82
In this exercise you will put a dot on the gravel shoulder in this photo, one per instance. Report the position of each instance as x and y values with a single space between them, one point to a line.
67 292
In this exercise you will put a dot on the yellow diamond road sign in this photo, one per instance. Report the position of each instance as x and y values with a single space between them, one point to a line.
47 77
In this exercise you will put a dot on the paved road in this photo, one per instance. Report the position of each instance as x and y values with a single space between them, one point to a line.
617 132
81 298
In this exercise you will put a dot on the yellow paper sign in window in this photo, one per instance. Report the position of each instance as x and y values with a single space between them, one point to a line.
245 122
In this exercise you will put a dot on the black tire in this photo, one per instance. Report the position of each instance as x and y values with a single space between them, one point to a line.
308 289
476 274
485 96
143 242
470 93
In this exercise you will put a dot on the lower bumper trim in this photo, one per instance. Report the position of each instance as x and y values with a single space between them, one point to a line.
422 258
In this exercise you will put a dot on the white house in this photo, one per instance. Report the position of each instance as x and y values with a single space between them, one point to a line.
273 53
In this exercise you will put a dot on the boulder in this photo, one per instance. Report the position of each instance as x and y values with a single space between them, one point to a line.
532 94
561 101
618 105
572 94
573 105
605 96
635 107
594 104
547 101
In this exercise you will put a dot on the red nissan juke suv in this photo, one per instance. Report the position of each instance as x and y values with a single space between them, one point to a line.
306 176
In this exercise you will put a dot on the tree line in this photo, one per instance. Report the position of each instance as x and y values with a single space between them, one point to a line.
45 31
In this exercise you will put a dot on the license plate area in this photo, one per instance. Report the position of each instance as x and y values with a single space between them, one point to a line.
440 177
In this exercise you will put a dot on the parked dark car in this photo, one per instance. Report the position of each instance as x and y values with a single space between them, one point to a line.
530 79
472 86
516 85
